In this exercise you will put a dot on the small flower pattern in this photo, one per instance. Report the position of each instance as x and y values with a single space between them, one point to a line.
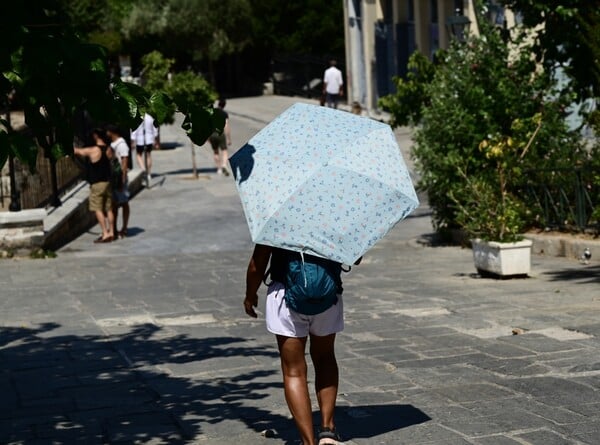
324 182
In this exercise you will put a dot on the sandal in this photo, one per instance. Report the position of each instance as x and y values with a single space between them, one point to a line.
123 233
328 436
98 240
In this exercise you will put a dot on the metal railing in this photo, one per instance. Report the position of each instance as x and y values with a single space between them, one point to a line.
564 199
35 189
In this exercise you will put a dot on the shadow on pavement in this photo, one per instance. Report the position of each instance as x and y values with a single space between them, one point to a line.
189 171
583 274
242 163
364 422
134 231
97 389
170 145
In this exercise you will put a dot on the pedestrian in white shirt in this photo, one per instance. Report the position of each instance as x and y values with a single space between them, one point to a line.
145 137
333 85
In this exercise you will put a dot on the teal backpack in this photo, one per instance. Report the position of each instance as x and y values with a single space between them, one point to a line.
312 284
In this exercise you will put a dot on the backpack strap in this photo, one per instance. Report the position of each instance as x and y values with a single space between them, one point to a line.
267 273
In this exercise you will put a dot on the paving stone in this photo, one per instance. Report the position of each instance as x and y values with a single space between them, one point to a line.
142 428
86 359
496 440
585 409
439 362
387 354
540 343
511 367
471 392
502 350
554 391
543 437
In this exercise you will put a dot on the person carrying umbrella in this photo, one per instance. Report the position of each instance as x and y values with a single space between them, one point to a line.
313 201
292 330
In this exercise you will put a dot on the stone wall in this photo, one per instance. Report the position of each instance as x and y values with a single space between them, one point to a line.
22 230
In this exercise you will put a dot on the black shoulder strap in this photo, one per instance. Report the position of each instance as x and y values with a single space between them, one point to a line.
277 267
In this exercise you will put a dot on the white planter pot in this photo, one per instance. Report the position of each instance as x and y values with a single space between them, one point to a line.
502 259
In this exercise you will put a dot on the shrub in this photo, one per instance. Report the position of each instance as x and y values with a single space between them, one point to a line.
411 93
189 87
492 120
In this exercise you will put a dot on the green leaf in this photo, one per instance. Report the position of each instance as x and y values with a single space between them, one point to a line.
198 124
57 151
24 149
162 107
134 95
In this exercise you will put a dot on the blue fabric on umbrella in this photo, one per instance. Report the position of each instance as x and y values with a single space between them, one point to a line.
323 182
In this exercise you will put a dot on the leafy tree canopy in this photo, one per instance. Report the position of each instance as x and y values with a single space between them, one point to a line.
299 27
569 37
56 75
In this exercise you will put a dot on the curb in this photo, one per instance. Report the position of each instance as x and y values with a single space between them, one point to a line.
563 246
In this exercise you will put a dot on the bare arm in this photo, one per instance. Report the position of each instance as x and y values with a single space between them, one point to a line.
227 131
124 167
85 152
256 271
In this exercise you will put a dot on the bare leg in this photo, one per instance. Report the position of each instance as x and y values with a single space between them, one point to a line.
224 158
111 222
216 159
125 217
115 210
140 161
322 352
293 365
149 161
102 223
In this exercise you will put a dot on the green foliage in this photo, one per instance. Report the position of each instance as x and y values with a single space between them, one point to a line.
98 21
569 37
41 254
111 40
56 75
493 119
201 29
156 68
300 27
405 106
189 88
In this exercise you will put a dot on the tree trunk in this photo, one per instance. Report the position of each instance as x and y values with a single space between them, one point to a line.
194 168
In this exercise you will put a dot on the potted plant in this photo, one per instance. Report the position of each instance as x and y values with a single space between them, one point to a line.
489 211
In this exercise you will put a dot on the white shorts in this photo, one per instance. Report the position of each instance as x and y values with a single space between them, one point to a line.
283 321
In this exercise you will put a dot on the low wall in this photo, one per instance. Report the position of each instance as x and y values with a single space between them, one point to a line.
563 246
54 227
22 230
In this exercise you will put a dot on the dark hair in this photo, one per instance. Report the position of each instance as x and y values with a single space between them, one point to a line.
113 129
222 102
101 134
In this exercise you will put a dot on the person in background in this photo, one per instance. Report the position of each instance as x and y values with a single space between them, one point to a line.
99 175
333 84
121 188
144 138
220 141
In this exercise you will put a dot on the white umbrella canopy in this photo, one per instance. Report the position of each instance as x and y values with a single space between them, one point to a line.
323 182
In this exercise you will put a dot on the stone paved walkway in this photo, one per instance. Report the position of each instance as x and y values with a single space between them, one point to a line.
145 340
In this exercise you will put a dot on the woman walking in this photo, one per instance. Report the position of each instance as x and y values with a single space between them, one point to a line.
292 330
